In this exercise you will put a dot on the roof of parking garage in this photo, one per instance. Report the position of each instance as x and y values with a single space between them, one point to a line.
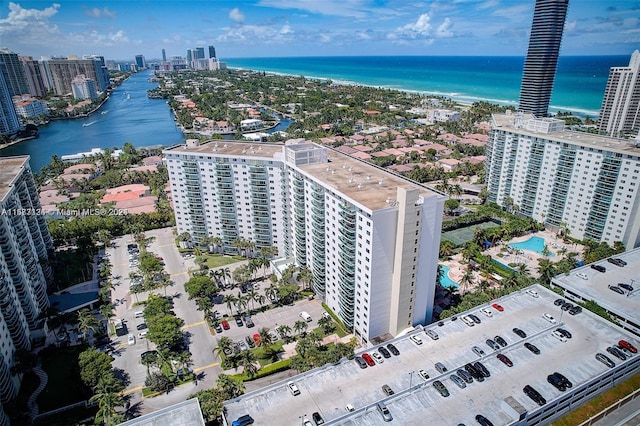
328 389
596 286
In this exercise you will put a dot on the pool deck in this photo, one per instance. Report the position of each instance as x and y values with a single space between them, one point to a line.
530 258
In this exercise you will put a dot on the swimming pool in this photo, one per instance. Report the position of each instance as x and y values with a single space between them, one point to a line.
445 281
535 244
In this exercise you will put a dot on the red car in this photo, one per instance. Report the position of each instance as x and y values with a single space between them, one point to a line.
256 339
628 346
505 360
498 307
368 360
225 324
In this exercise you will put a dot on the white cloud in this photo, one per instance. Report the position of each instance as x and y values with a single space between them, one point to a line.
444 30
420 29
255 33
20 18
236 16
97 13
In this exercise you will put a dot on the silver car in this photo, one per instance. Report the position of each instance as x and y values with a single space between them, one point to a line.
458 381
384 412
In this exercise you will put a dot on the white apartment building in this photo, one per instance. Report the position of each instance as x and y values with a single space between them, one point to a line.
586 182
25 242
84 88
370 238
620 111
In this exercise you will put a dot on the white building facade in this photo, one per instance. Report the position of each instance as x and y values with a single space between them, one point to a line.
84 88
25 242
620 110
370 238
584 182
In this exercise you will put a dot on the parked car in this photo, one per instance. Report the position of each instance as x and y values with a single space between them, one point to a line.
225 324
466 376
565 333
238 319
458 381
605 360
370 362
361 362
575 310
440 367
531 292
617 353
556 382
476 350
505 360
616 289
385 353
481 368
469 368
628 346
141 326
498 307
393 349
217 327
131 339
549 318
534 395
306 422
566 306
559 336
377 357
467 320
416 339
582 275
599 268
317 418
293 388
625 286
566 381
243 346
558 302
618 262
423 374
487 312
499 340
350 408
432 334
384 412
533 348
248 321
440 387
519 332
474 318
250 342
142 334
483 421
387 390
493 345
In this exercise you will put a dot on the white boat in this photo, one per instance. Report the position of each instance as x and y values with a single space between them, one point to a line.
89 124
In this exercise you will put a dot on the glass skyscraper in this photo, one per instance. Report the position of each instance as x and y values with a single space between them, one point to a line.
542 56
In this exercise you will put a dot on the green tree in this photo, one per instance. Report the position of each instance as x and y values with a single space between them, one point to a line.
165 331
229 386
211 403
300 327
107 395
94 365
87 321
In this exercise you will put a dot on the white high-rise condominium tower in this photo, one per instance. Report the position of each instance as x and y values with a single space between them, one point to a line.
25 243
620 111
584 182
369 237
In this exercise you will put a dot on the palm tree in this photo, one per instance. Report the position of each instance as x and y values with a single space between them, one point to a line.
547 270
106 311
326 323
271 292
108 398
265 338
300 326
248 363
230 300
87 321
224 346
467 280
284 331
261 298
230 387
305 276
252 295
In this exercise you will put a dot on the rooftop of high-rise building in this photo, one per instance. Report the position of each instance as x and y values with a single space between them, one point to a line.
10 167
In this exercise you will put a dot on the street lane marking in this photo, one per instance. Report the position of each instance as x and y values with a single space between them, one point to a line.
179 273
193 325
132 390
197 370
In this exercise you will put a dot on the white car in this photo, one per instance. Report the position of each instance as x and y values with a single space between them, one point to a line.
142 334
532 293
582 275
423 374
467 320
487 312
350 408
377 357
293 389
559 336
549 318
415 339
131 339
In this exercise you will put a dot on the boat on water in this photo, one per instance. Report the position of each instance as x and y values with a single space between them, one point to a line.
104 112
89 124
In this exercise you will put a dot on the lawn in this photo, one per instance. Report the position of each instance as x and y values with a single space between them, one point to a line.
61 365
217 260
600 402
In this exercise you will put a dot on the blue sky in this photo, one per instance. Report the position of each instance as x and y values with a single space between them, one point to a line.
120 29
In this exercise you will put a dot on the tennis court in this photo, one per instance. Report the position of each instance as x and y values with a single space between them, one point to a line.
462 235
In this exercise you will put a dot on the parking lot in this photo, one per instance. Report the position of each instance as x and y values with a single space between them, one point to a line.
416 401
202 340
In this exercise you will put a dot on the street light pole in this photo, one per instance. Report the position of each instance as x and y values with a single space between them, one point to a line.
410 379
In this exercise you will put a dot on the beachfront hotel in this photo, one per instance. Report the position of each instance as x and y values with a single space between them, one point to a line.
542 56
25 242
586 182
620 110
369 237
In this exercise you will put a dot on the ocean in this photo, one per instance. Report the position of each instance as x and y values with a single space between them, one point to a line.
579 85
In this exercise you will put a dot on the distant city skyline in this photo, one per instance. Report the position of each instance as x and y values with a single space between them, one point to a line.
280 28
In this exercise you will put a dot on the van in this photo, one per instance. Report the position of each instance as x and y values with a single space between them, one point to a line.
305 316
139 314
